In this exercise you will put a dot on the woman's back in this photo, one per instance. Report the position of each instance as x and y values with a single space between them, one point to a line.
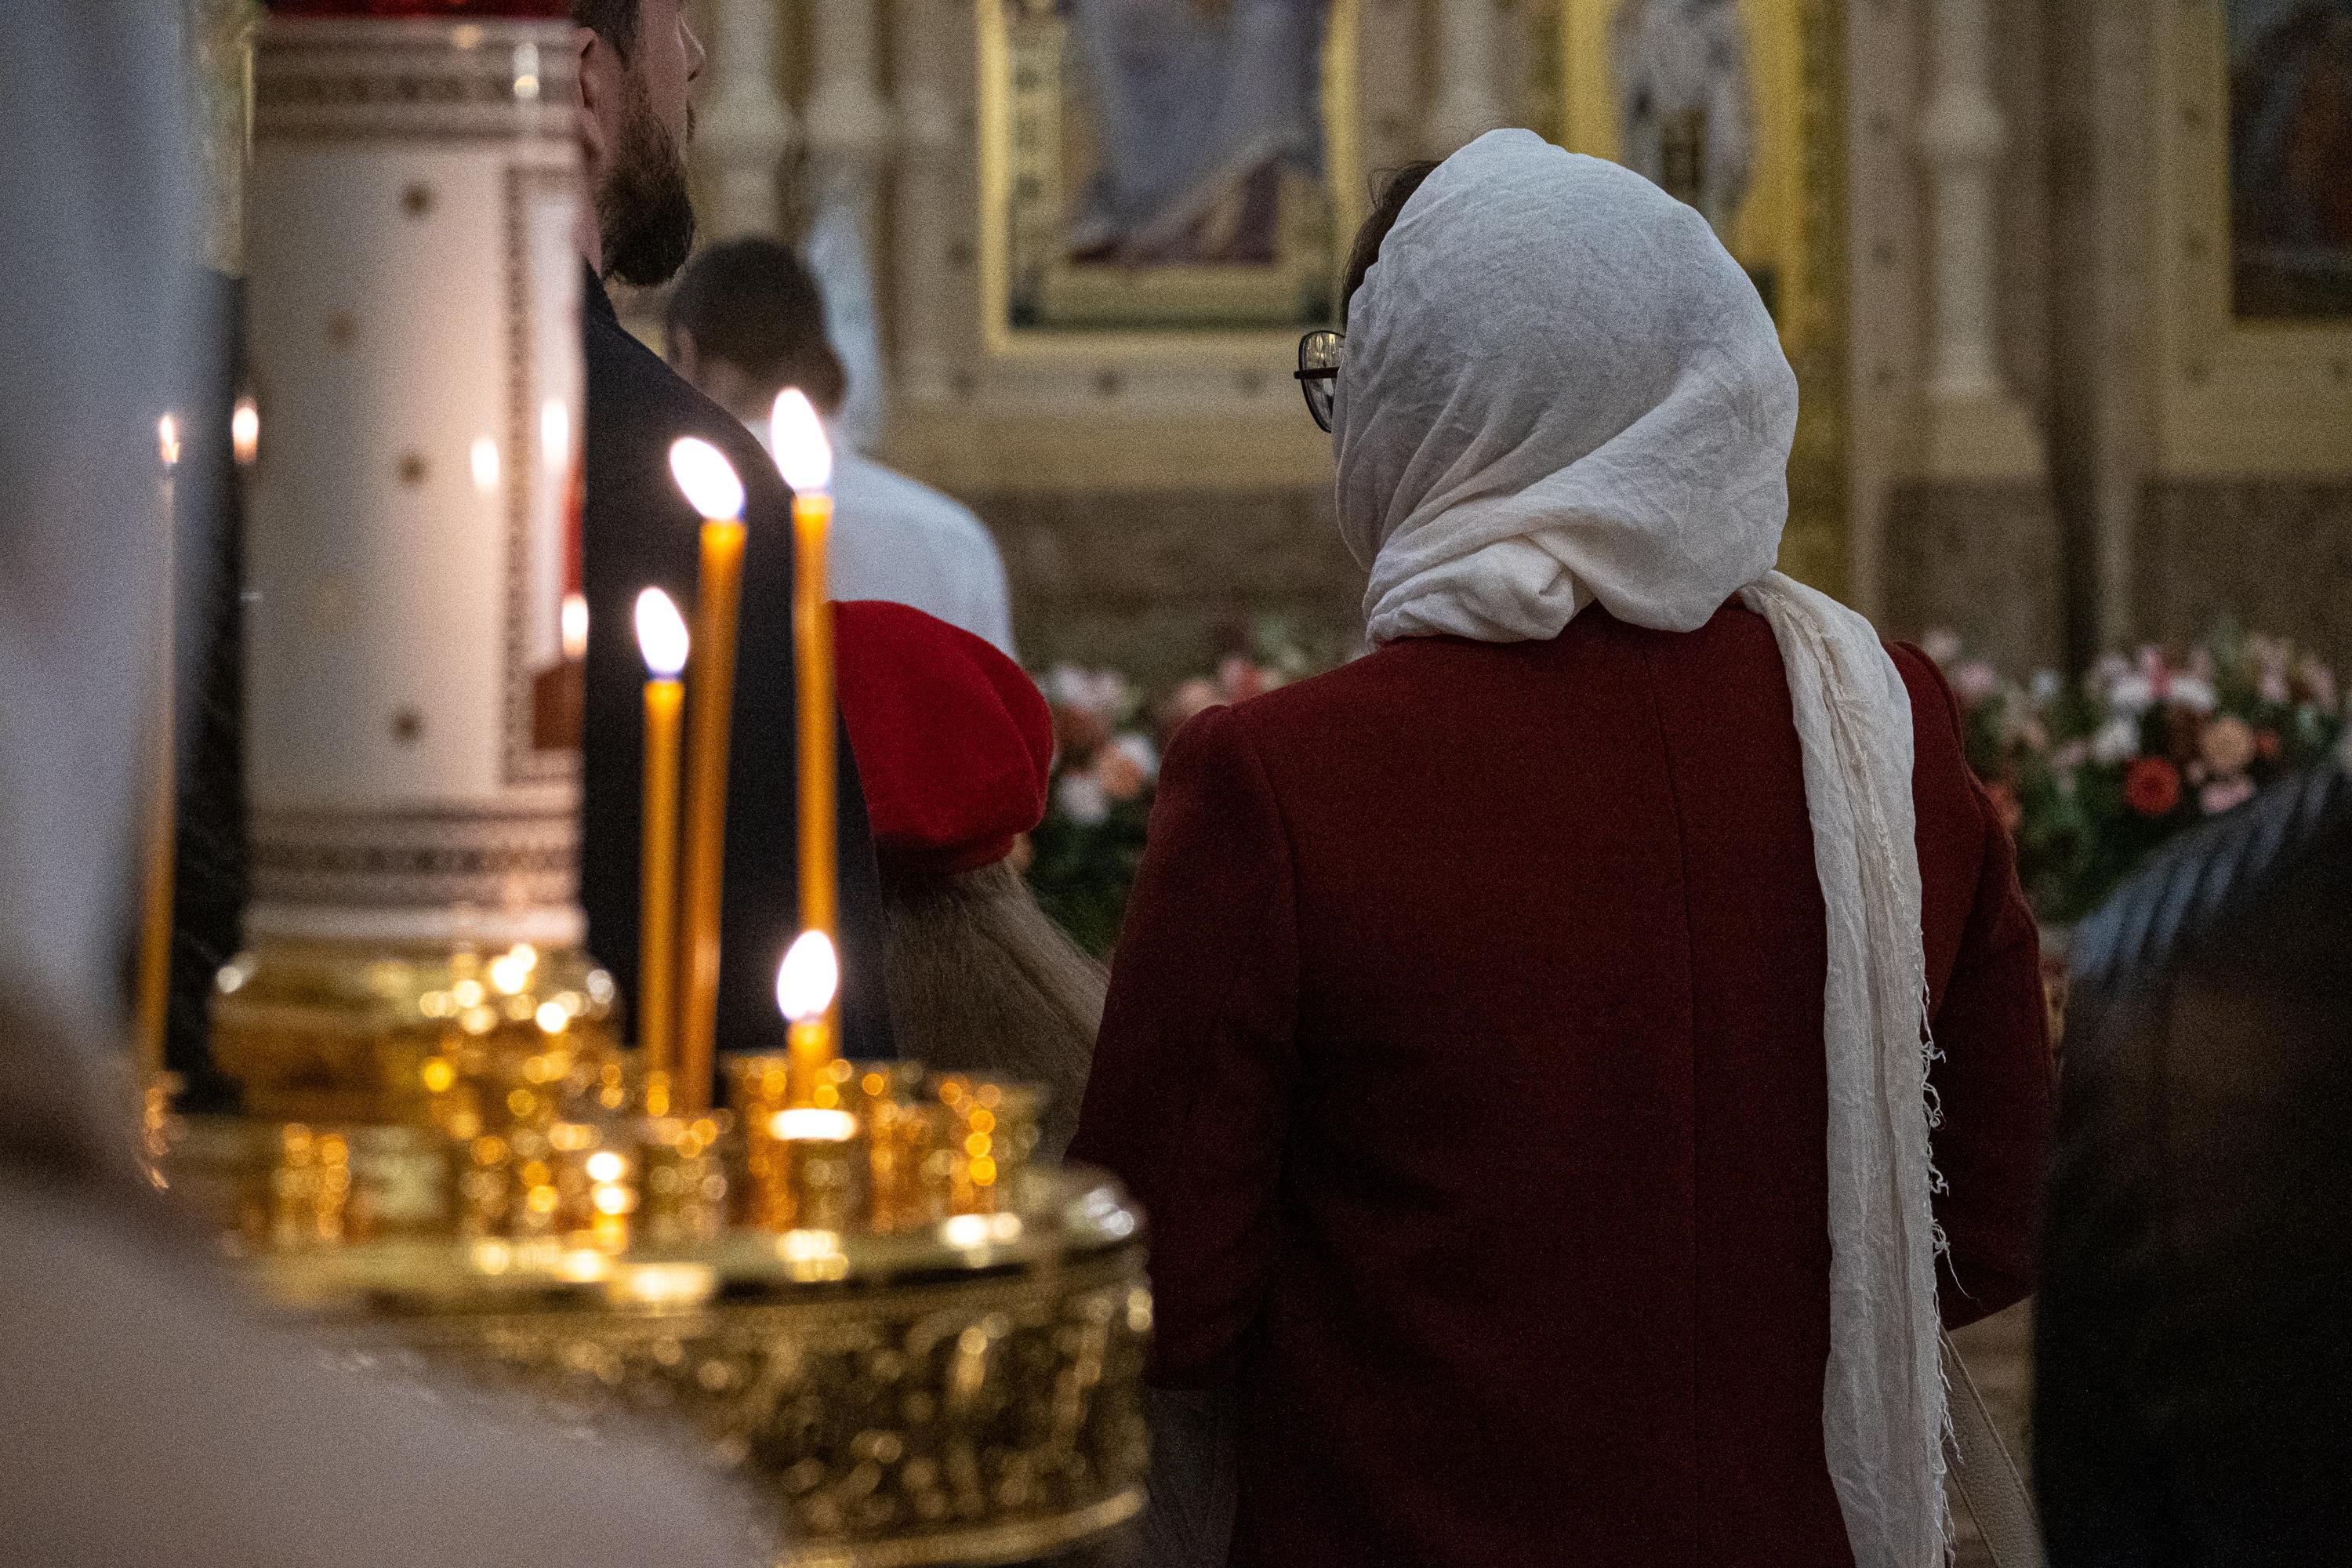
1466 1048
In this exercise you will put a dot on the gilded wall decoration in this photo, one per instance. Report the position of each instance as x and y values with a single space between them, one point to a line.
1738 107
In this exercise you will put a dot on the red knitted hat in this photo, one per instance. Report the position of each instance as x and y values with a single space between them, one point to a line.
953 741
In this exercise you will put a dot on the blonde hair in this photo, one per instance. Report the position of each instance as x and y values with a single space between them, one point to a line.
980 980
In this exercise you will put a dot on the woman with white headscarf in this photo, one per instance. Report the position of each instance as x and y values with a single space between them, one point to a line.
1521 1037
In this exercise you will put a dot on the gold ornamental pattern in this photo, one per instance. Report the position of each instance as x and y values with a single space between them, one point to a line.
969 1392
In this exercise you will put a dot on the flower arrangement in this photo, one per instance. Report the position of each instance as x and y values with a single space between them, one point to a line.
1107 743
2088 776
2091 777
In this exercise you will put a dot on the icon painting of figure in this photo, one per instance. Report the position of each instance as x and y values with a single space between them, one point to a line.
2291 157
1198 108
1685 110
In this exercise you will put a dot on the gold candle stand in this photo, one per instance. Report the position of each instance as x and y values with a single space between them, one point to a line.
912 1364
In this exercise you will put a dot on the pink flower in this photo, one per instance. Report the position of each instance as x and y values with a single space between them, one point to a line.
1241 681
1975 682
2223 793
2271 683
1100 692
1126 765
1941 644
2228 745
1196 696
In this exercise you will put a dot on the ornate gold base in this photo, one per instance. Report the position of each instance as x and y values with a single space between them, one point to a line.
470 1042
1023 1540
966 1394
919 1347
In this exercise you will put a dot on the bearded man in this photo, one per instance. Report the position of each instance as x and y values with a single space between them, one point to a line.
638 62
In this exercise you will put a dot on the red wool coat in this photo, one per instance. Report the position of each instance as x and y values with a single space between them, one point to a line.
1464 1050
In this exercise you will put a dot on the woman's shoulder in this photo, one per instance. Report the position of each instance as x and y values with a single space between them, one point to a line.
1387 685
1932 702
1301 714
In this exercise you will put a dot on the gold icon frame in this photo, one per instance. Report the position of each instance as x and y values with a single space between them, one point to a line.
1182 307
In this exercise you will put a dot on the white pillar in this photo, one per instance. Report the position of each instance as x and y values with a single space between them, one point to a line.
1469 58
748 128
1977 428
1962 136
849 124
927 193
848 131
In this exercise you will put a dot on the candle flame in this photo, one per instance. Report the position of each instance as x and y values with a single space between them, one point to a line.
807 978
167 436
708 480
572 625
796 435
661 633
809 1122
486 465
245 431
555 435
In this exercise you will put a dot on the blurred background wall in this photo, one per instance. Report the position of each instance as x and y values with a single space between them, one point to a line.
2065 280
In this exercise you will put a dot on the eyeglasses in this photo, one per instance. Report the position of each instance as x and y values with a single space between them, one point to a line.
1319 372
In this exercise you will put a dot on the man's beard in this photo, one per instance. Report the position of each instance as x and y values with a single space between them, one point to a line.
643 208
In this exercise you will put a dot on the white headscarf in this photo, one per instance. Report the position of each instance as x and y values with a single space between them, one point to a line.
1561 389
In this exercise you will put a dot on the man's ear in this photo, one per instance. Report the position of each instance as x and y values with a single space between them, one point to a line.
593 56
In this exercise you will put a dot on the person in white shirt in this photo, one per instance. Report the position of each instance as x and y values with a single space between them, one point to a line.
746 320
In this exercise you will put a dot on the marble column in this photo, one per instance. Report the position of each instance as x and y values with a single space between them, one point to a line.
1469 99
1971 540
927 195
849 124
748 129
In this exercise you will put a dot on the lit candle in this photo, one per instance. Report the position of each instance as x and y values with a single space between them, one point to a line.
245 431
796 437
662 638
711 485
806 984
155 896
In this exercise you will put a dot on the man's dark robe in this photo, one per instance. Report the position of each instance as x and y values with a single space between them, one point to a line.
639 532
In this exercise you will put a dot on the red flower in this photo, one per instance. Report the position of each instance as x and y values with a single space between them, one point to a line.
2152 786
2267 746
